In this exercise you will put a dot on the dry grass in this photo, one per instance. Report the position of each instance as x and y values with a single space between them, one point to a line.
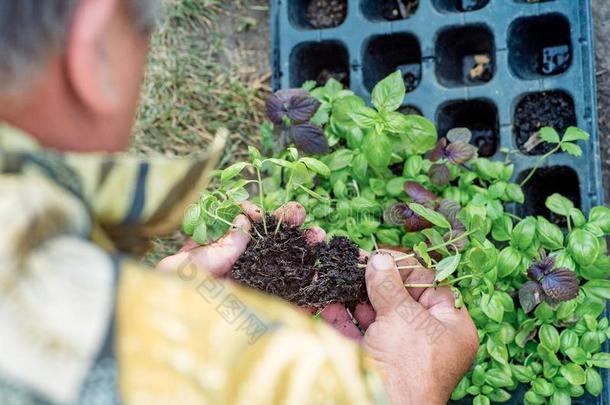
208 69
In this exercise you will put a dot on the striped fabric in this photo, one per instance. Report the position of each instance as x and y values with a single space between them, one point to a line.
73 306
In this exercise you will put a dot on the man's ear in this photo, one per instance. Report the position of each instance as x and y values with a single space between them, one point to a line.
88 59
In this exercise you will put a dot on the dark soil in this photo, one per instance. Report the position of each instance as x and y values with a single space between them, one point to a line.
287 266
326 13
410 110
546 109
341 75
398 9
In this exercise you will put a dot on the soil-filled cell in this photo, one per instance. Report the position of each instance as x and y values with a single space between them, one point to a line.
319 61
385 54
410 110
545 109
389 10
547 181
479 116
539 46
317 14
459 6
465 56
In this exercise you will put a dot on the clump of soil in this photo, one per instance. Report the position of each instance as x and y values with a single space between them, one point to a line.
392 10
286 265
340 75
326 13
546 109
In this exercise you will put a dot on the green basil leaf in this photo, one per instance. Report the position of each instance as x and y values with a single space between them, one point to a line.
390 237
360 167
497 378
598 288
461 390
200 234
543 387
577 355
491 305
560 398
548 355
389 94
601 360
232 171
502 228
522 374
377 149
514 193
413 166
568 340
550 235
583 246
531 398
589 342
524 233
364 117
396 186
573 373
594 384
430 215
446 267
420 133
559 204
549 337
480 400
509 261
316 166
191 219
600 216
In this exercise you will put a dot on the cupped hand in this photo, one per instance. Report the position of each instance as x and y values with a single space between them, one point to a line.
420 342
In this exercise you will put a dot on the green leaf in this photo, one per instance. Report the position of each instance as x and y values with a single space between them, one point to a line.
550 235
583 247
389 94
531 398
514 192
340 159
413 166
280 162
577 355
509 261
396 186
548 355
390 237
578 218
200 234
364 117
524 233
377 149
497 378
569 340
502 228
446 267
559 204
491 306
522 374
378 186
430 215
560 398
232 171
543 387
600 216
601 360
192 217
598 288
594 384
253 153
480 400
549 135
589 342
499 395
420 133
360 166
573 373
549 337
343 107
571 149
316 166
575 134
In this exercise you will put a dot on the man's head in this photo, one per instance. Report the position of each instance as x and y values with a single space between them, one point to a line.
70 70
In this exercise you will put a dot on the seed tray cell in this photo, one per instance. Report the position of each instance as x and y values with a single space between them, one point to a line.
477 63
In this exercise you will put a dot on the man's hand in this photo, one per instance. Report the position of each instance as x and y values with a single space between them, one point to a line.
420 342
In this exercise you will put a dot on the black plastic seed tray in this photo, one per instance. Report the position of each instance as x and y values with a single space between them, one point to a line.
498 67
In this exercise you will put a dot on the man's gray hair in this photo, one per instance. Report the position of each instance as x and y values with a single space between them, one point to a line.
31 30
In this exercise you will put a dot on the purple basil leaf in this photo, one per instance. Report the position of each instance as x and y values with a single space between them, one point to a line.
540 268
439 151
439 174
460 152
459 135
530 295
418 193
309 138
401 214
560 285
415 223
459 244
295 104
302 108
450 210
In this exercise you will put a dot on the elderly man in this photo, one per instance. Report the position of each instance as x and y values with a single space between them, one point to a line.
81 322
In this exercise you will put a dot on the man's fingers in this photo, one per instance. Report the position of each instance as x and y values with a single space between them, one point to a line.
291 213
189 245
219 258
252 211
384 285
337 316
315 235
365 315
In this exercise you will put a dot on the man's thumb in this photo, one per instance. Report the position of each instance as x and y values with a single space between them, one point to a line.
384 284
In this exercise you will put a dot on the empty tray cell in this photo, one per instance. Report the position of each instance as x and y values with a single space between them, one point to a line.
384 54
545 109
479 116
317 14
319 61
539 46
390 10
459 6
465 56
547 181
410 110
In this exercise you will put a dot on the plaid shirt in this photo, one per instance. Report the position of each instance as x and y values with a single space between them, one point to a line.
81 322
